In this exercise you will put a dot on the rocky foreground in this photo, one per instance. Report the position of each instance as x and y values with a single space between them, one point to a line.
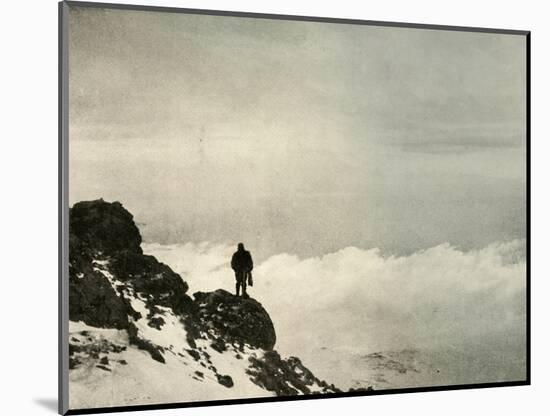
137 337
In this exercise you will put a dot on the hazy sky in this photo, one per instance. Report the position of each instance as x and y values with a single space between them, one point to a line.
298 137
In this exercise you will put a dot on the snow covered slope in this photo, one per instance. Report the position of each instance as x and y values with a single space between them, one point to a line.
137 337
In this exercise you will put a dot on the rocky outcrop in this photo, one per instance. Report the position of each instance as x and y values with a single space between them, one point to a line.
107 268
106 227
236 319
114 286
100 233
152 279
93 301
286 377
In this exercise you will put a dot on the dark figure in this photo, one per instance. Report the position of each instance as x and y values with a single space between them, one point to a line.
241 263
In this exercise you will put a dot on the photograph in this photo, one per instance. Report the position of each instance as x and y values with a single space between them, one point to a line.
266 207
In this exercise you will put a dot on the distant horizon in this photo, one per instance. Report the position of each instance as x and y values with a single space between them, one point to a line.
264 256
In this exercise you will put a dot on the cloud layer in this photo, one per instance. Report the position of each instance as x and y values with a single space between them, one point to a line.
439 298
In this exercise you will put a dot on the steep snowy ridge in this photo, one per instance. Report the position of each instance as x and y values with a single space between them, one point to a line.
137 337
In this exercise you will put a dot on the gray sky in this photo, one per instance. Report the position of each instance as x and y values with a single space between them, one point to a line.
298 137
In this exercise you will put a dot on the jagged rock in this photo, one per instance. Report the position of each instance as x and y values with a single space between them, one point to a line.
74 363
154 350
193 353
218 345
151 278
108 227
285 377
106 231
93 301
226 381
235 318
156 322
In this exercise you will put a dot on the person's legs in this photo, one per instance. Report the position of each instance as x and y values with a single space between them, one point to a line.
243 282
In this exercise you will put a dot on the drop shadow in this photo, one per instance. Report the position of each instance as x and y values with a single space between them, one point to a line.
49 404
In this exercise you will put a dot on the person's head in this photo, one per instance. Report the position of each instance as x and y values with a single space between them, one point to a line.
240 246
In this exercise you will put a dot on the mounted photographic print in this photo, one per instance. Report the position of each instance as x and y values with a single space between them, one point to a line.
263 208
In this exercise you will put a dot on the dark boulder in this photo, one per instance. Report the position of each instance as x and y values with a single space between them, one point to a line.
93 301
104 226
235 319
225 380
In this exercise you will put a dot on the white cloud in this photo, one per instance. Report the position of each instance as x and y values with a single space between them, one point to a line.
358 299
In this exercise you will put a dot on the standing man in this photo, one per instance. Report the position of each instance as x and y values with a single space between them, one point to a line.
242 265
